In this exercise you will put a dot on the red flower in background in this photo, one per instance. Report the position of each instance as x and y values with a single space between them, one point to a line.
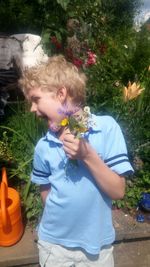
86 59
91 60
77 62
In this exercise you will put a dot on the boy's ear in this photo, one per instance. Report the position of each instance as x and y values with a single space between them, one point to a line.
62 94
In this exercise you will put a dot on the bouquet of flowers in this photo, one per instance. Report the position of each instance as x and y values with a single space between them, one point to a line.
77 124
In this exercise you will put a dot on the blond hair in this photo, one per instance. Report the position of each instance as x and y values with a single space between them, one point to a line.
56 73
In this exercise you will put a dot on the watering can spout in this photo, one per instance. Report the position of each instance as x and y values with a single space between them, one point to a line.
4 176
11 226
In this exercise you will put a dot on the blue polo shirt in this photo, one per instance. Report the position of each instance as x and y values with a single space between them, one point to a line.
77 213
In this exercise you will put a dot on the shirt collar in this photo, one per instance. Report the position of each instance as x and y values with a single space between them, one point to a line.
94 123
52 137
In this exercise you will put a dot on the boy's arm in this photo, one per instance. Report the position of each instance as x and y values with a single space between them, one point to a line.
109 169
41 172
107 180
44 190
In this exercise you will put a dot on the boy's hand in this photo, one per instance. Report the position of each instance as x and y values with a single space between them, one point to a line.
75 148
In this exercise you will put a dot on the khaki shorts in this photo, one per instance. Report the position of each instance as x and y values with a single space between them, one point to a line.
51 255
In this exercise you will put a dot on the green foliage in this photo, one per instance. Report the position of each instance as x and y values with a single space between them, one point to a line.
21 132
5 152
63 3
105 16
31 16
138 185
33 205
140 182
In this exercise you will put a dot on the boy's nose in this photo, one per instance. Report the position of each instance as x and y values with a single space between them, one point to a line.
33 108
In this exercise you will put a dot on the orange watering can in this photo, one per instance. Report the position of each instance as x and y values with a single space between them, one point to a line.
11 226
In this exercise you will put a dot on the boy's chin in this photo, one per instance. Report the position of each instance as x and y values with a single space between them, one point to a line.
54 128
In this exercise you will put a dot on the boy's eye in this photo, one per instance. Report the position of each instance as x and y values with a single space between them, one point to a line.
35 99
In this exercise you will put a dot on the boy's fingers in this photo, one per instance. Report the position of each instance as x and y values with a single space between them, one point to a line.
69 138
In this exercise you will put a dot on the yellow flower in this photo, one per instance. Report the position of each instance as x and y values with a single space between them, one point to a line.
64 122
81 129
132 91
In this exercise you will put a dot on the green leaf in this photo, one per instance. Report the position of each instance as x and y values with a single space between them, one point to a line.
63 3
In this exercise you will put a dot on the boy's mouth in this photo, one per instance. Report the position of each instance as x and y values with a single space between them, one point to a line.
42 116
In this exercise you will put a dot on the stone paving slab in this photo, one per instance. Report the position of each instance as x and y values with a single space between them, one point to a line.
25 253
132 254
127 227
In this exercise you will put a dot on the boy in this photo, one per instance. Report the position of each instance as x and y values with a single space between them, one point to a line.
76 226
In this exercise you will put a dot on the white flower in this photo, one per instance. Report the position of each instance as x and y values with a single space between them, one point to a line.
117 83
87 110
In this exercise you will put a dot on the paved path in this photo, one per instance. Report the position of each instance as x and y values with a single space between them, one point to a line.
132 247
132 254
24 252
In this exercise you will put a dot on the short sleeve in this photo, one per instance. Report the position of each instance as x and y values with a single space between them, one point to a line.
116 156
40 172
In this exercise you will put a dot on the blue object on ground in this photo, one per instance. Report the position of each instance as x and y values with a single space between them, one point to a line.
140 218
144 202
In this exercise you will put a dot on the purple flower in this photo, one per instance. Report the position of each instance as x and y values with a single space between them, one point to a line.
66 111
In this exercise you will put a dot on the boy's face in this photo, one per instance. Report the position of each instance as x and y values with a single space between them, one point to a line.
46 105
